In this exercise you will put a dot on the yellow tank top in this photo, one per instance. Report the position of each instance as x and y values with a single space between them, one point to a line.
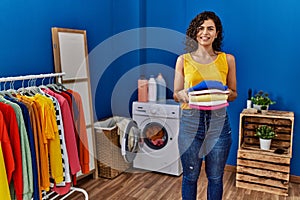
195 72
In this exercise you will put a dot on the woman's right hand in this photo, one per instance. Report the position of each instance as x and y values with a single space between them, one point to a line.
182 96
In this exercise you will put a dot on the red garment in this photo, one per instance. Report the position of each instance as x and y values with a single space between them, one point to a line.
69 99
84 156
14 136
70 103
6 149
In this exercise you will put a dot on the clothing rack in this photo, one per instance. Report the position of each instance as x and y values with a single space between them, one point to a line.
59 80
37 76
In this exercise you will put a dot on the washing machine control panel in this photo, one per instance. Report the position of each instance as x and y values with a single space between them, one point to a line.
156 109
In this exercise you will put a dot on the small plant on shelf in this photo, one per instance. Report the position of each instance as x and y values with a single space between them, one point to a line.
261 100
266 134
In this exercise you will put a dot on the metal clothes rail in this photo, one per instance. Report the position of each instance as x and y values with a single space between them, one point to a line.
39 76
28 77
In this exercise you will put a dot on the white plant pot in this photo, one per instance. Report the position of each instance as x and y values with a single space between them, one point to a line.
258 107
265 144
264 112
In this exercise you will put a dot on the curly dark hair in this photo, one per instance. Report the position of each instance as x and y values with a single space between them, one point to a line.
191 43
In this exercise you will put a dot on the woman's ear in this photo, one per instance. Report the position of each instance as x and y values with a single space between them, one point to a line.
217 35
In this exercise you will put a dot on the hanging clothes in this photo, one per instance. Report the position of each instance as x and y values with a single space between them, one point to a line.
65 159
42 142
52 136
35 131
69 131
38 142
80 126
14 136
26 117
3 181
7 155
26 155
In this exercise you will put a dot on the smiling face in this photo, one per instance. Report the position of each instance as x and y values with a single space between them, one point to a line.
207 33
202 31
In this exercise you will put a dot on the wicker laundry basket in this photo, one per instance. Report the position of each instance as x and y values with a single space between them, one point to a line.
109 159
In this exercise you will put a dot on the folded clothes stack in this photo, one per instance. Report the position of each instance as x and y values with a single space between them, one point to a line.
208 95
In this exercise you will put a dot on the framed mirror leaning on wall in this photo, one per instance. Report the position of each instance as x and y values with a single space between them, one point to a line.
71 56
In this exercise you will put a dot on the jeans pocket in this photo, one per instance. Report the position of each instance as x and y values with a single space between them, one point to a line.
187 112
220 113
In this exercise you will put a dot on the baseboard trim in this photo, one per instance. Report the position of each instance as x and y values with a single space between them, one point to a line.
293 178
230 168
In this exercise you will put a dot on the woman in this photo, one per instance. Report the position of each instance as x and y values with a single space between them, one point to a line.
204 134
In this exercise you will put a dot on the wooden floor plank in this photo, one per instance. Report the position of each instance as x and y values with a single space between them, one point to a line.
142 185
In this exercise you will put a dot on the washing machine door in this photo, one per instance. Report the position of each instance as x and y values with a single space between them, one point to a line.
155 135
130 140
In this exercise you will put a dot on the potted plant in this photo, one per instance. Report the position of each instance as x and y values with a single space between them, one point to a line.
266 134
261 101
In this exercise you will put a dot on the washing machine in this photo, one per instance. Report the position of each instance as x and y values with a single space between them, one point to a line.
158 142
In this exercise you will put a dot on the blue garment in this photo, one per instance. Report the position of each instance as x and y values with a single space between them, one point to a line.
208 84
27 121
204 134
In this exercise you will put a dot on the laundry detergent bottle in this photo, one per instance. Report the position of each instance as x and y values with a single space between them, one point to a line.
161 88
152 89
142 89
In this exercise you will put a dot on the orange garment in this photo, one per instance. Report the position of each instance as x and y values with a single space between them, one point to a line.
35 128
80 125
7 150
42 143
51 133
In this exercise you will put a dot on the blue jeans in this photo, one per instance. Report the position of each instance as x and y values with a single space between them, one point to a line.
204 134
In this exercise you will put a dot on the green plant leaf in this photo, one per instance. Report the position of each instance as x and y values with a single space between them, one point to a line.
265 132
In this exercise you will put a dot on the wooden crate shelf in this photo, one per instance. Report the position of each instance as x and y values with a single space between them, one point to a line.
265 170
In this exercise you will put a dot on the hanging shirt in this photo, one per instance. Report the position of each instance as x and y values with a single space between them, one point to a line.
43 160
51 133
80 125
3 181
63 149
34 126
26 154
69 131
27 121
14 136
7 150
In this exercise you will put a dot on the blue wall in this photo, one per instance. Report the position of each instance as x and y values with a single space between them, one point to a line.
261 34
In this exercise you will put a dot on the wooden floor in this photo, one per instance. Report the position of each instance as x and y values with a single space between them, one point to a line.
141 185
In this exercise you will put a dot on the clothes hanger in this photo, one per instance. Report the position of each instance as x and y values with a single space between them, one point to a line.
5 92
34 89
60 85
28 90
41 87
22 89
11 92
53 86
1 94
